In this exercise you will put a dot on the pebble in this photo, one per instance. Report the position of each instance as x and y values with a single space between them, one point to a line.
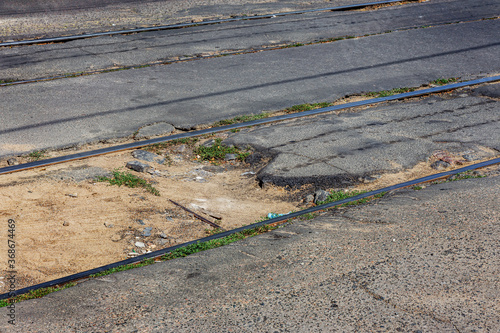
133 254
65 223
138 166
116 238
440 165
12 161
141 222
73 195
202 173
309 198
148 156
213 168
209 143
367 179
108 225
147 231
181 149
230 157
163 235
140 244
468 158
320 195
162 241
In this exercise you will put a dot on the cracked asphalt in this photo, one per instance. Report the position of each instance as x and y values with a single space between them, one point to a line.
412 261
339 150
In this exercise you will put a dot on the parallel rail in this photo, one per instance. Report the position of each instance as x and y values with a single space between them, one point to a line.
63 39
139 144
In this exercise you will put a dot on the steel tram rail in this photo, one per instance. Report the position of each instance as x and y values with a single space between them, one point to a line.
280 219
186 25
139 144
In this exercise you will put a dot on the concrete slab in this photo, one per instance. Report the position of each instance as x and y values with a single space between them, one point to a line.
66 112
337 150
413 261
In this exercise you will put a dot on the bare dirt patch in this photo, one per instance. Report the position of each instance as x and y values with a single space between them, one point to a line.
65 226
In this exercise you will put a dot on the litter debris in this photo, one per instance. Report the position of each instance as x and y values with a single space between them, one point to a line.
274 215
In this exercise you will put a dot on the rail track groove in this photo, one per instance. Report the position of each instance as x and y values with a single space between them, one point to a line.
139 144
63 39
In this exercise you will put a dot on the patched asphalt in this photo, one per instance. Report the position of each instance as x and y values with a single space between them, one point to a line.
340 150
413 261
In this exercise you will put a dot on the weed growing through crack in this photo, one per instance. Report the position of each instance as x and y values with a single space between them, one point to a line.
37 155
34 294
215 243
242 119
307 107
340 195
129 180
442 82
193 248
385 93
465 175
218 151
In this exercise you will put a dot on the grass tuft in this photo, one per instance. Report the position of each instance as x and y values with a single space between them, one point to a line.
340 195
34 294
218 151
129 180
242 119
442 82
307 107
385 93
37 155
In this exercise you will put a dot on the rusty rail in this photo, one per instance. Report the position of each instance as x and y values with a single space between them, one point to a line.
199 217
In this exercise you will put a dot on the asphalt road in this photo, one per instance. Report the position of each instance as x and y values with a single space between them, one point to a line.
84 109
30 19
413 261
38 61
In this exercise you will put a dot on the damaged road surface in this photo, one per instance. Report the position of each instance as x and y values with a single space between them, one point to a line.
413 261
67 112
339 150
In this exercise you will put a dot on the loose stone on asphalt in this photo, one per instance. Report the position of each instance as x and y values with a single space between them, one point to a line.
148 156
138 166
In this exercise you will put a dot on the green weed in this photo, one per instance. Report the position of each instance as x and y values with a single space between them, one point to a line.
441 82
340 195
215 243
129 180
385 93
307 107
241 119
37 155
34 294
464 175
218 151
